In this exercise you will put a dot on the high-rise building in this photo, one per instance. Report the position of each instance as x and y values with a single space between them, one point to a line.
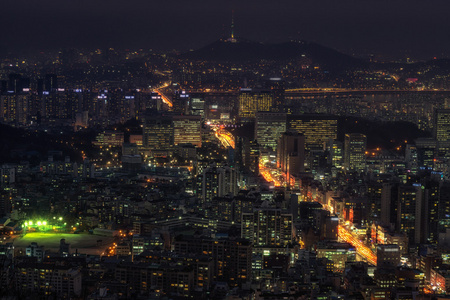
253 101
317 129
268 129
426 152
218 182
109 138
232 258
336 154
34 250
388 256
15 107
276 86
411 158
409 212
250 154
388 210
291 153
267 227
197 106
7 174
180 101
338 253
444 207
187 130
355 152
374 194
441 130
48 279
431 207
51 82
158 133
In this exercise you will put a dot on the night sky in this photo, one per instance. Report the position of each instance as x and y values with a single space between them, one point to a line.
391 28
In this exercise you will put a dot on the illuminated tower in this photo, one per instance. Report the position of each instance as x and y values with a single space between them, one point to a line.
232 39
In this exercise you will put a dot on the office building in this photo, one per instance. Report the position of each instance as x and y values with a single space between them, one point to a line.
409 213
109 138
253 101
197 106
374 194
388 256
426 152
355 152
187 130
249 151
276 86
411 158
268 129
291 153
336 154
338 253
158 133
318 129
441 130
180 101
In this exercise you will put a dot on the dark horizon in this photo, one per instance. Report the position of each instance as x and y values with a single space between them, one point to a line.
389 29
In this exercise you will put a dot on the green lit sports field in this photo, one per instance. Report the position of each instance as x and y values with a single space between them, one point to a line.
85 243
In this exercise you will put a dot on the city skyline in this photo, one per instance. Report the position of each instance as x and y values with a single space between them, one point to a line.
388 29
239 170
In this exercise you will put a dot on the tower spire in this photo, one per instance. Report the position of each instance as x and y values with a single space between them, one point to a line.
231 38
232 24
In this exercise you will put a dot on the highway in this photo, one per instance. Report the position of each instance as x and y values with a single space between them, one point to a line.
164 98
225 137
267 174
361 249
227 140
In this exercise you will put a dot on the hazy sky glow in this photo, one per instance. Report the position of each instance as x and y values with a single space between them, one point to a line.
388 27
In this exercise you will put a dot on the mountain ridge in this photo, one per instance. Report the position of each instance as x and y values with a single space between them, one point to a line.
244 50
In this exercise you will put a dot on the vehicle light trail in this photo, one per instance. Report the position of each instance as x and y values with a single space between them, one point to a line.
226 138
361 249
265 172
164 98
